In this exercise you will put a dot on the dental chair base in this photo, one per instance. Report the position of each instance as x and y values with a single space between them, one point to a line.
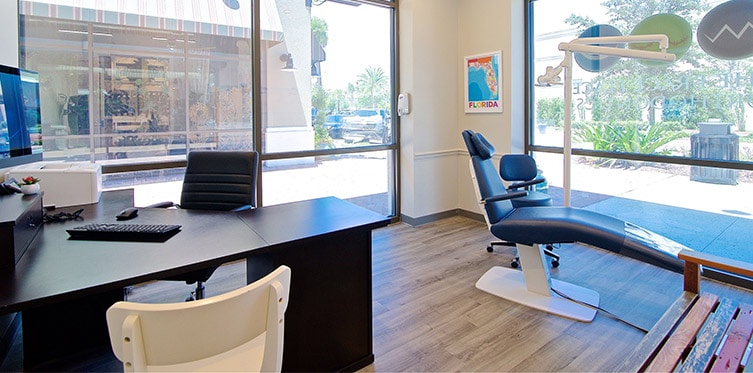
533 287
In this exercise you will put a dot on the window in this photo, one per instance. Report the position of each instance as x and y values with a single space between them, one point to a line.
136 85
327 99
662 144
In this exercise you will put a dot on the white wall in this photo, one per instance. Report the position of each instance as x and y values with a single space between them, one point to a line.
435 36
9 30
428 71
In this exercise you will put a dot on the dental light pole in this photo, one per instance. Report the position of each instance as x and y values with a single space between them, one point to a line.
605 46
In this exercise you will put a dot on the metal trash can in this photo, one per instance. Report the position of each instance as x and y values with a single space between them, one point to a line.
714 141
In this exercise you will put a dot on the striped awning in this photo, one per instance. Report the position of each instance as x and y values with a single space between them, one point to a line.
199 16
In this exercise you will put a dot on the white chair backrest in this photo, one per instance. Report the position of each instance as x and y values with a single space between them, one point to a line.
479 198
241 330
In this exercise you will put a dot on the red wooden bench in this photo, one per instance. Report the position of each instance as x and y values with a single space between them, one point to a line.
699 332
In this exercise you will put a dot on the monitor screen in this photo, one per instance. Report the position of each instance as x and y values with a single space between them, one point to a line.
20 120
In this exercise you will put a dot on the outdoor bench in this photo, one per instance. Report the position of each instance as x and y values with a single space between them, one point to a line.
699 332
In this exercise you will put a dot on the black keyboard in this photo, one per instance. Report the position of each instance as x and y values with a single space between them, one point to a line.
124 232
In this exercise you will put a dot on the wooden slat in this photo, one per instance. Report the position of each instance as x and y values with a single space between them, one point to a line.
710 337
650 343
713 261
737 341
684 335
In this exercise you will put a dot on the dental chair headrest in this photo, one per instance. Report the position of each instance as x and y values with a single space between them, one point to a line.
468 139
484 148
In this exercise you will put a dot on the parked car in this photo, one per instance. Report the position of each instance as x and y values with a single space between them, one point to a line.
334 125
365 124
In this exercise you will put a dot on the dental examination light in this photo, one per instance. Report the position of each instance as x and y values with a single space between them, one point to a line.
604 46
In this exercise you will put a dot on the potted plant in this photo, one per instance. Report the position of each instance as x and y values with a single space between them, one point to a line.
30 185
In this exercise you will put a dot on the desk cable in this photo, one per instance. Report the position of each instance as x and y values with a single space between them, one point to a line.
62 216
606 313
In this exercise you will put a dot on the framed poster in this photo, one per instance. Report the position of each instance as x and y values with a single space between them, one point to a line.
483 83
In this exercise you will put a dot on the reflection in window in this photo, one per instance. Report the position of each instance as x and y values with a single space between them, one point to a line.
114 91
123 84
636 106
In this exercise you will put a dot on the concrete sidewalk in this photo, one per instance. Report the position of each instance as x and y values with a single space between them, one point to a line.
698 215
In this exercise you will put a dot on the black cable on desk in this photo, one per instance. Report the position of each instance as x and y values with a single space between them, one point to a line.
63 216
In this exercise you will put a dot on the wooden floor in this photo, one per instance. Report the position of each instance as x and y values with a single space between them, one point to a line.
429 317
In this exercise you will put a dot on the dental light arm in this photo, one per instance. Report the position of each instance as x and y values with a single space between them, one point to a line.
604 45
661 39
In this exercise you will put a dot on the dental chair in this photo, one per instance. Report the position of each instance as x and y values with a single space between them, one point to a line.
515 168
531 227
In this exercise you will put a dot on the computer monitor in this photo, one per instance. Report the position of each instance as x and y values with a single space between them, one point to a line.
20 117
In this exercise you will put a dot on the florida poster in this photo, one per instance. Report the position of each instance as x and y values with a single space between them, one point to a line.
483 82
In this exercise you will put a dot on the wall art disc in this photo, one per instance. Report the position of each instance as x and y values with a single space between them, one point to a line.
726 31
597 62
675 27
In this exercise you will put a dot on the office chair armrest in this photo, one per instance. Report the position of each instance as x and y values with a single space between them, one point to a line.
524 184
161 205
503 197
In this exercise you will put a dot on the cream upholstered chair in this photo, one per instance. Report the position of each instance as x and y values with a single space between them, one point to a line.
241 330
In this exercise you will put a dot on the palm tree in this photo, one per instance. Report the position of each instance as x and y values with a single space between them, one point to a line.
373 84
320 30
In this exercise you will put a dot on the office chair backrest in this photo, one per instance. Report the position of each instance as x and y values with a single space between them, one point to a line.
517 167
219 180
487 180
238 331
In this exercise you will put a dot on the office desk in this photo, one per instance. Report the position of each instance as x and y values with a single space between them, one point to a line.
62 286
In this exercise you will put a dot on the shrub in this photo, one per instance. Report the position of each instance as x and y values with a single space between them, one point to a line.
627 137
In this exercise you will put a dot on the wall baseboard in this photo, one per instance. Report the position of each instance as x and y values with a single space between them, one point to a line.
415 222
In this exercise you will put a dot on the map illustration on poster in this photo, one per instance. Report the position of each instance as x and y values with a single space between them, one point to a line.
483 83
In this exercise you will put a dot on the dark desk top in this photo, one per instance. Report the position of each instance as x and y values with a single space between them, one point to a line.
289 222
55 268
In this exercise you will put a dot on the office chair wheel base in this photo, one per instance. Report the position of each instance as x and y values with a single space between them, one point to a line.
490 249
514 264
555 263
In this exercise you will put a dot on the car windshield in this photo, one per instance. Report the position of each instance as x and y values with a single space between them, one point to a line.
366 113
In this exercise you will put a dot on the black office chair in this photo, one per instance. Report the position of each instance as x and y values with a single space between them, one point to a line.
216 180
522 171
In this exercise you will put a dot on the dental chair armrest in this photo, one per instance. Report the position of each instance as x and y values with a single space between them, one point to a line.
503 197
524 184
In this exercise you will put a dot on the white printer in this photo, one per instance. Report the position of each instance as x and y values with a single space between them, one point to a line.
63 184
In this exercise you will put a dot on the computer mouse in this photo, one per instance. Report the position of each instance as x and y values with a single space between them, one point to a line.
128 213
